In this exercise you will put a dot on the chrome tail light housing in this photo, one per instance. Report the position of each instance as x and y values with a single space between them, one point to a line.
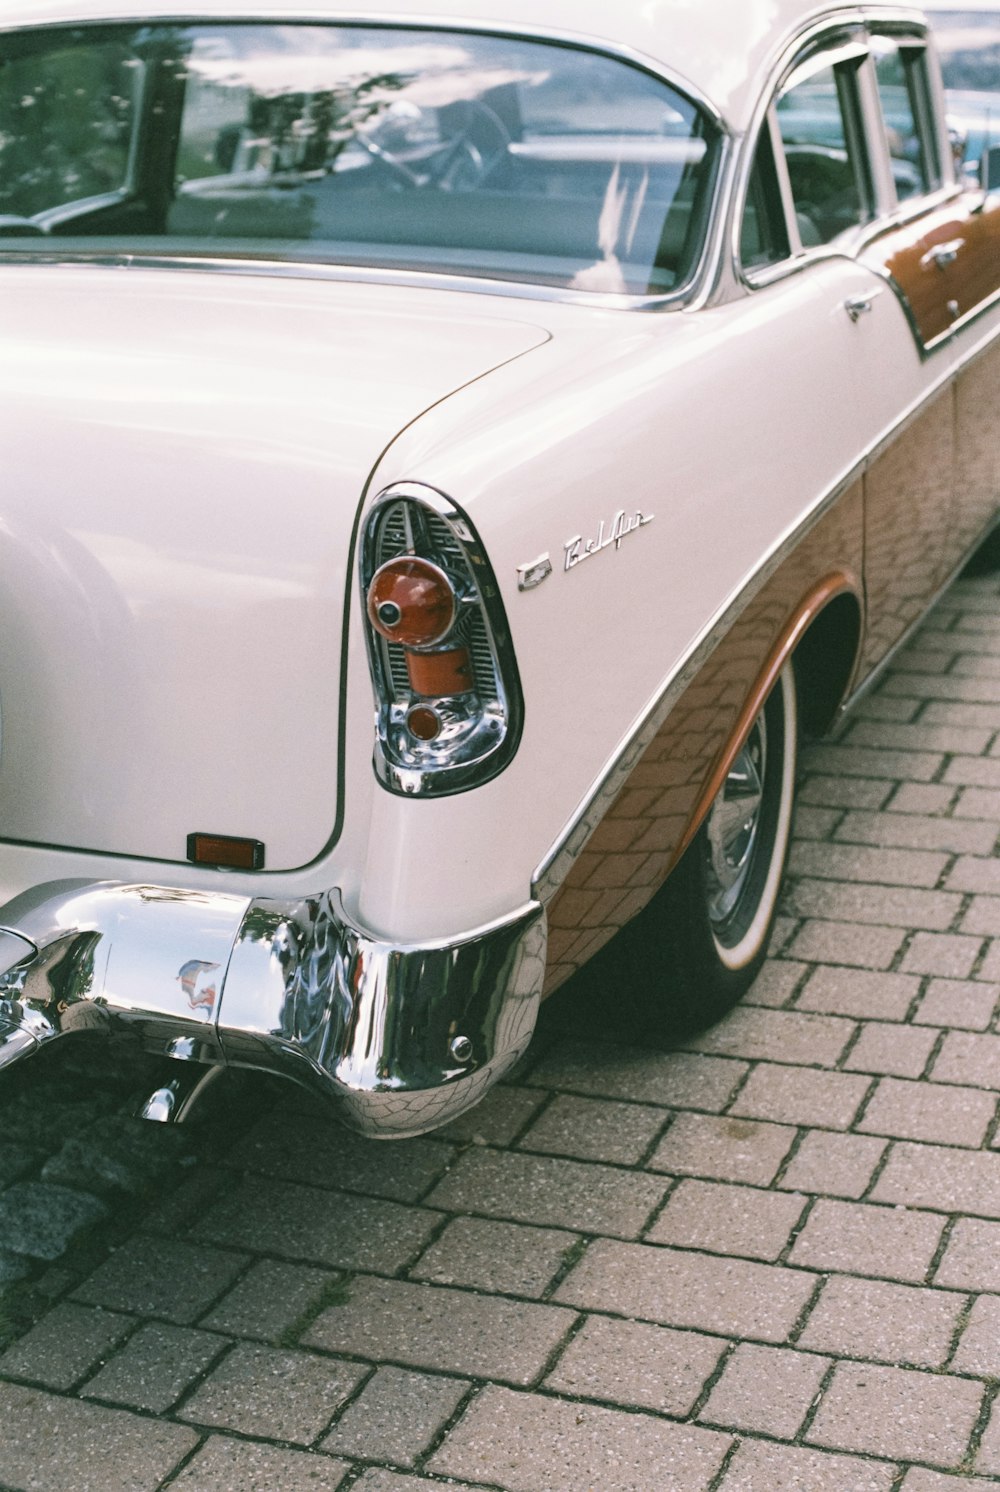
448 699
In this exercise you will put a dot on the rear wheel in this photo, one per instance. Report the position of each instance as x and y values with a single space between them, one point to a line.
701 941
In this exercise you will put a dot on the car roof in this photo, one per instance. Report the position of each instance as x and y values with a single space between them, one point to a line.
722 48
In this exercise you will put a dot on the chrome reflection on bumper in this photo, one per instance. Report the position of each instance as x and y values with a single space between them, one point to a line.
399 1038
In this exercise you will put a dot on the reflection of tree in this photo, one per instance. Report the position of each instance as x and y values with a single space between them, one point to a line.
65 122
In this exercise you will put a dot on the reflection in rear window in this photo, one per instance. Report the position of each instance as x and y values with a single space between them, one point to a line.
400 148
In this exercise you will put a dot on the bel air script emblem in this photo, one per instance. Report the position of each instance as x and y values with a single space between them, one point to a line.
621 525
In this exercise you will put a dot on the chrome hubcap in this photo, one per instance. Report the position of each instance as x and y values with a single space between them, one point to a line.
732 826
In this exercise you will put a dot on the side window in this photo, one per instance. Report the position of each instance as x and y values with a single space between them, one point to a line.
903 93
65 125
819 118
764 234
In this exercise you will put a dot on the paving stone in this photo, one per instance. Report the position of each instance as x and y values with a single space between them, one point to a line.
762 1467
907 829
964 1003
982 917
944 688
860 993
498 1119
270 1299
424 1326
43 1220
524 1442
728 1219
971 1260
645 1367
199 1189
775 983
765 1389
732 1296
283 1394
788 1036
560 1193
831 790
855 1238
926 736
680 1079
486 1254
332 1228
156 1367
16 1161
116 1154
61 1444
887 906
800 1095
929 1111
974 873
966 1057
919 1479
950 955
595 1129
321 1153
973 771
833 1164
868 863
157 1277
863 761
222 1465
376 1480
886 1322
988 1457
722 1148
981 803
979 1348
815 823
848 943
897 1412
942 1179
66 1343
921 797
396 1416
897 1050
884 707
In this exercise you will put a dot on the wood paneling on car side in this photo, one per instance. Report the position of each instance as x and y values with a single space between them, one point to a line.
630 853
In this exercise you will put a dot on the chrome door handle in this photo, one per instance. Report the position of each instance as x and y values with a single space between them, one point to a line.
859 305
943 254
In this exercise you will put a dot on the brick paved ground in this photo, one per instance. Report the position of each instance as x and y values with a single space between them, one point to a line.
768 1263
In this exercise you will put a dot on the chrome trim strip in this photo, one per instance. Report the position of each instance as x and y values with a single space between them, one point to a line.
692 292
399 1038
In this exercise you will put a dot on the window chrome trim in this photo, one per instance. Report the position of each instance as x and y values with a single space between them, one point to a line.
694 291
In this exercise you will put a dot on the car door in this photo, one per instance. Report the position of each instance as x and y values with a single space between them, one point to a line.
852 150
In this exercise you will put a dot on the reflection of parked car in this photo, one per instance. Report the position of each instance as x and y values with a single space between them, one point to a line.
967 33
447 465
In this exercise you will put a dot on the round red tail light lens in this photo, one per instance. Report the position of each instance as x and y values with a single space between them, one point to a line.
412 602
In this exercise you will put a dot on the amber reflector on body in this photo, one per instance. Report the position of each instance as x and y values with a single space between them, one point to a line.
223 849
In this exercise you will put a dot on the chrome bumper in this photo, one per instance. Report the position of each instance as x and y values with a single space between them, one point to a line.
401 1038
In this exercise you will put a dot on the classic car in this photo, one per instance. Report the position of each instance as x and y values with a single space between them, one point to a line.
448 465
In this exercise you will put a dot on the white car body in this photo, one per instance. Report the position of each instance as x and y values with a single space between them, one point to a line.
193 444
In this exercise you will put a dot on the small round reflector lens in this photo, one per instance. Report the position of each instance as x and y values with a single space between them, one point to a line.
423 723
411 601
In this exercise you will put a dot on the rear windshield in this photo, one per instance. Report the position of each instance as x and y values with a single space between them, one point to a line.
400 148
